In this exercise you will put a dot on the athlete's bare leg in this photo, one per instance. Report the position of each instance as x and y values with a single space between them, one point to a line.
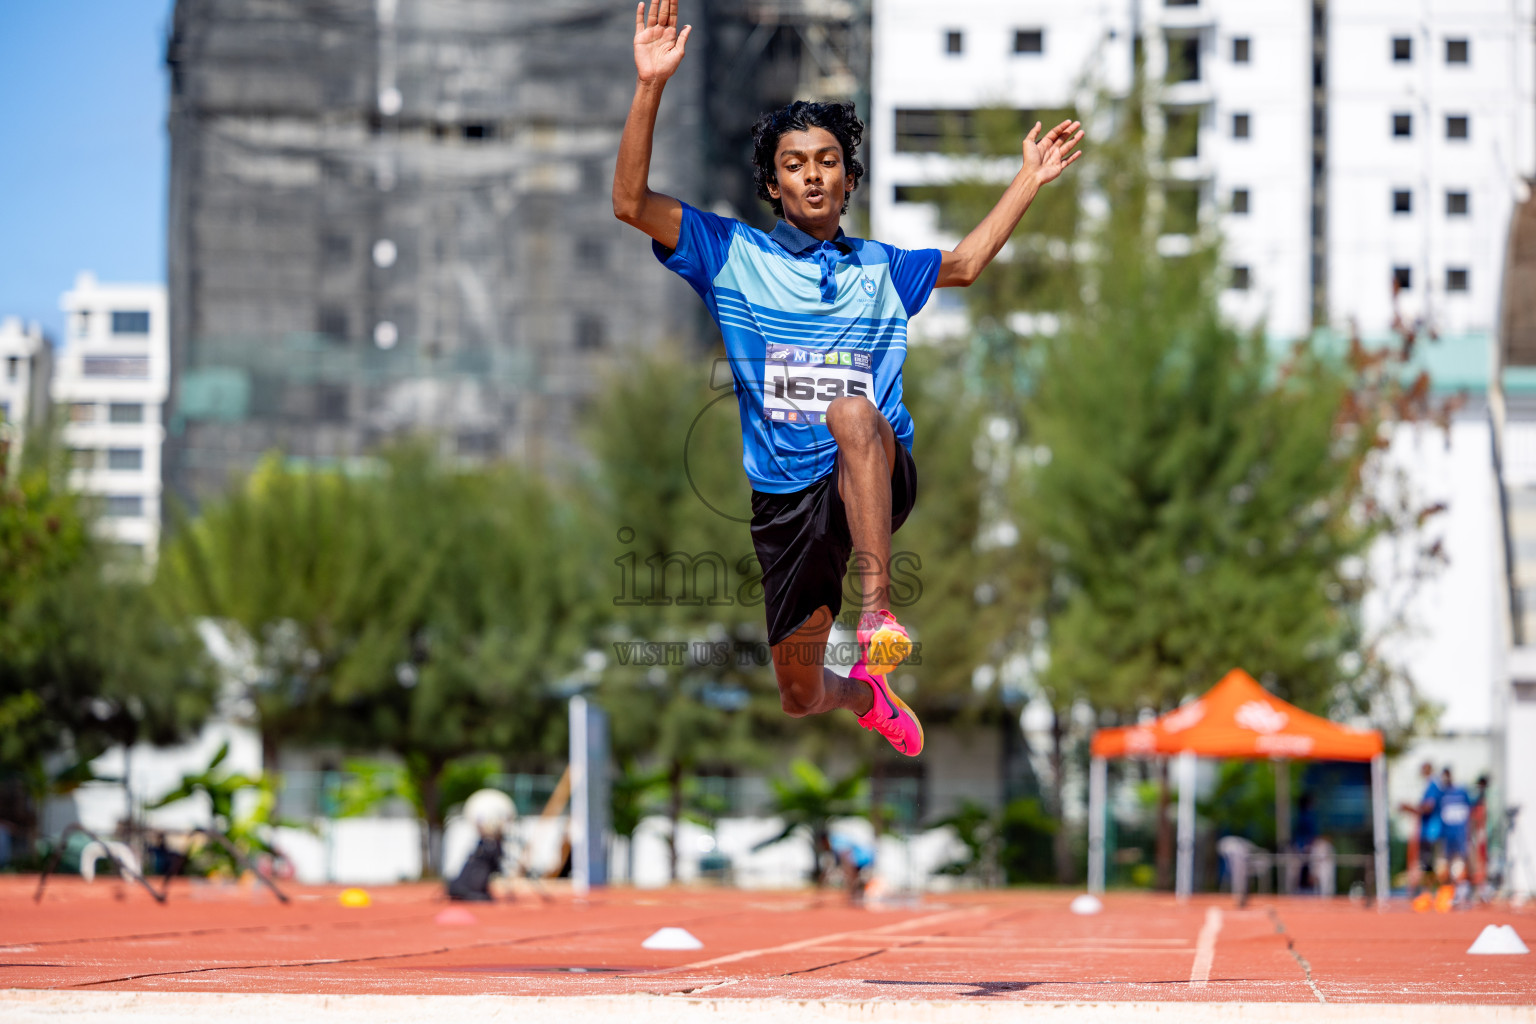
866 451
866 458
806 687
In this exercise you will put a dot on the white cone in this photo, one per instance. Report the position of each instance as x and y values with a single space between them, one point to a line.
672 938
1086 904
1497 939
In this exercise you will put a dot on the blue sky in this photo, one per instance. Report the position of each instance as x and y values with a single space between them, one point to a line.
83 93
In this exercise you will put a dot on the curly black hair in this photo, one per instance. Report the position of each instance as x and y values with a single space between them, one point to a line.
837 118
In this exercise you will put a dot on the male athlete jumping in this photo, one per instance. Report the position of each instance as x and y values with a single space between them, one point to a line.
815 327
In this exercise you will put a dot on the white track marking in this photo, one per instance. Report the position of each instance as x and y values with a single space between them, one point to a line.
790 947
1205 949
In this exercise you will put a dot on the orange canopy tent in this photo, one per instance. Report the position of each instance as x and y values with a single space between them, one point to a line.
1236 718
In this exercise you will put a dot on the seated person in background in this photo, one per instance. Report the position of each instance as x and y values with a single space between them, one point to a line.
474 879
490 811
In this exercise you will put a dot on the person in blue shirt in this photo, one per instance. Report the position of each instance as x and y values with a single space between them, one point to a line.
856 862
814 324
1455 816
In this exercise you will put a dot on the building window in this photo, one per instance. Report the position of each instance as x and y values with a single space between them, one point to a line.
1182 133
954 42
1402 201
1402 279
1402 126
478 443
1181 3
942 130
130 321
1029 40
1240 126
12 367
1183 58
121 367
82 412
82 458
589 254
336 250
1239 200
1242 279
123 506
125 412
126 551
1240 50
331 403
1458 204
1458 126
1456 279
1458 51
5 411
1181 210
333 323
1402 49
125 458
82 323
590 334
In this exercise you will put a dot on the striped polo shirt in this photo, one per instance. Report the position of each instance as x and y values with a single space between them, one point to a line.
804 322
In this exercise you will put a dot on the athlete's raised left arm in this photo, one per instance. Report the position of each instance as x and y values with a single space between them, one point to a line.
1044 160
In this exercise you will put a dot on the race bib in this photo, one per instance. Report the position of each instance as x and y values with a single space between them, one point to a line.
799 384
1455 814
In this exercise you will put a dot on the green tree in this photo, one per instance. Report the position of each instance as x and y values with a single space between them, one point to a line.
292 566
669 489
221 788
807 801
88 659
428 610
1199 505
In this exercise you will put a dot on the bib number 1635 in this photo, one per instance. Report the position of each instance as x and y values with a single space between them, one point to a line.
811 388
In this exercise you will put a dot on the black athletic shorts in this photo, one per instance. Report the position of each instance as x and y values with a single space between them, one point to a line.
803 544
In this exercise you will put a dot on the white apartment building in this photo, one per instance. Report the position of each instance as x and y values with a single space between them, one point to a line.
1241 71
1431 129
1341 146
112 379
25 363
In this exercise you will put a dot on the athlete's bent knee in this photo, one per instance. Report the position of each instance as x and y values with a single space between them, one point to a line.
794 706
854 419
798 695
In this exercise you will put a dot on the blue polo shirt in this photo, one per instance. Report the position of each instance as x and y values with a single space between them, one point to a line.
804 322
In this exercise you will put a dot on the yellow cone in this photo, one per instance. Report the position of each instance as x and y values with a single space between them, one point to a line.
355 898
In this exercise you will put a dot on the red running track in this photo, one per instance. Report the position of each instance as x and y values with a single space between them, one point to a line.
1009 945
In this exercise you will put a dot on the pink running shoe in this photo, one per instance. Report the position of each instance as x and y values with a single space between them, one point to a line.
890 716
885 644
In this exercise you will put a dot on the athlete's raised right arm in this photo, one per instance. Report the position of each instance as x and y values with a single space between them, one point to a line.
658 52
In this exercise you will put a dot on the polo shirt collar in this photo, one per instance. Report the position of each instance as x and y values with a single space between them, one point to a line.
796 241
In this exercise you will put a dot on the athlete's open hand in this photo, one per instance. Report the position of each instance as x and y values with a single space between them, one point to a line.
658 43
1048 157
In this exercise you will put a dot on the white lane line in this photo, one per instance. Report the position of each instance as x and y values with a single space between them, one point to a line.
1205 949
790 947
919 946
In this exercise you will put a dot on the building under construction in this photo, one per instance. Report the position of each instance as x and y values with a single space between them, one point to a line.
393 216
